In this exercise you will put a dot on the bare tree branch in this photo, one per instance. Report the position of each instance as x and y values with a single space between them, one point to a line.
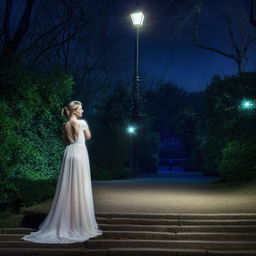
200 45
23 26
252 13
240 46
7 17
232 36
53 46
47 33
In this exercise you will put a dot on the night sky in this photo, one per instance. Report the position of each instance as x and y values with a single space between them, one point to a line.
167 51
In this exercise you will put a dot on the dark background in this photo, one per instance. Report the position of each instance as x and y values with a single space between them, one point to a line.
52 52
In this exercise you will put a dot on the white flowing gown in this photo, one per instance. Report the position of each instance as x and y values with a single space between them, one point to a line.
71 217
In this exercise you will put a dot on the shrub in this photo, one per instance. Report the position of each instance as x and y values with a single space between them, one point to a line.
109 146
238 162
31 148
148 148
225 122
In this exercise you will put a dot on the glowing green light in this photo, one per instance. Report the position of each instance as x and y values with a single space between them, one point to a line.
131 129
247 104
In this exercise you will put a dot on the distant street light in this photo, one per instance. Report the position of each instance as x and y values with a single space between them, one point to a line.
131 129
247 104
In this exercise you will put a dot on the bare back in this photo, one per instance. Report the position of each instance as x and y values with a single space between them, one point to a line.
71 129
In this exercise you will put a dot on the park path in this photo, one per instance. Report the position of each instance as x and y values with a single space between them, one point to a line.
173 191
169 213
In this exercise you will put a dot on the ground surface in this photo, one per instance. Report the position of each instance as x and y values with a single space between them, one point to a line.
172 191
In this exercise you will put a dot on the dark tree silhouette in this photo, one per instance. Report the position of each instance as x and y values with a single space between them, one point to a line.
69 35
252 12
240 47
12 43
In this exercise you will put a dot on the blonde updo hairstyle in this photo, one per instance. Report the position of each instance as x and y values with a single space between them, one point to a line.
70 108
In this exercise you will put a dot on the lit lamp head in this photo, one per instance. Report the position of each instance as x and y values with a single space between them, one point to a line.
131 129
137 18
247 104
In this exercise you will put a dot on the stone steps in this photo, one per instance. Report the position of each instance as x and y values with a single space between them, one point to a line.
175 222
157 228
27 244
150 234
173 244
178 216
120 251
179 236
52 252
16 230
176 228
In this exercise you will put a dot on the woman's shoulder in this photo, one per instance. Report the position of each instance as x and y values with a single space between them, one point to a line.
83 123
71 123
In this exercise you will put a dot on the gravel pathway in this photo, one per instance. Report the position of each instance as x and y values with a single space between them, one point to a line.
173 193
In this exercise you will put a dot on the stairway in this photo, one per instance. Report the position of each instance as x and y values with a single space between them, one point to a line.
150 234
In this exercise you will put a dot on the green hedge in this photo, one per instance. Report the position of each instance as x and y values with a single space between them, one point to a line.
31 148
238 162
228 143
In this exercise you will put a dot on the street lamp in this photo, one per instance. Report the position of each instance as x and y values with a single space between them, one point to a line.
247 104
137 20
131 129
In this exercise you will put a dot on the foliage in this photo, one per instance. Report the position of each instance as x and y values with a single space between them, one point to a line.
188 125
27 192
109 147
148 148
164 101
31 122
211 154
238 162
226 122
162 104
176 113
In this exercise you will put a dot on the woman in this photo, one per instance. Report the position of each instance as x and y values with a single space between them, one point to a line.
71 217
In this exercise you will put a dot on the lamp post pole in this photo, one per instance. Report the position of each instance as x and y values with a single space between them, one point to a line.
131 130
137 19
136 79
